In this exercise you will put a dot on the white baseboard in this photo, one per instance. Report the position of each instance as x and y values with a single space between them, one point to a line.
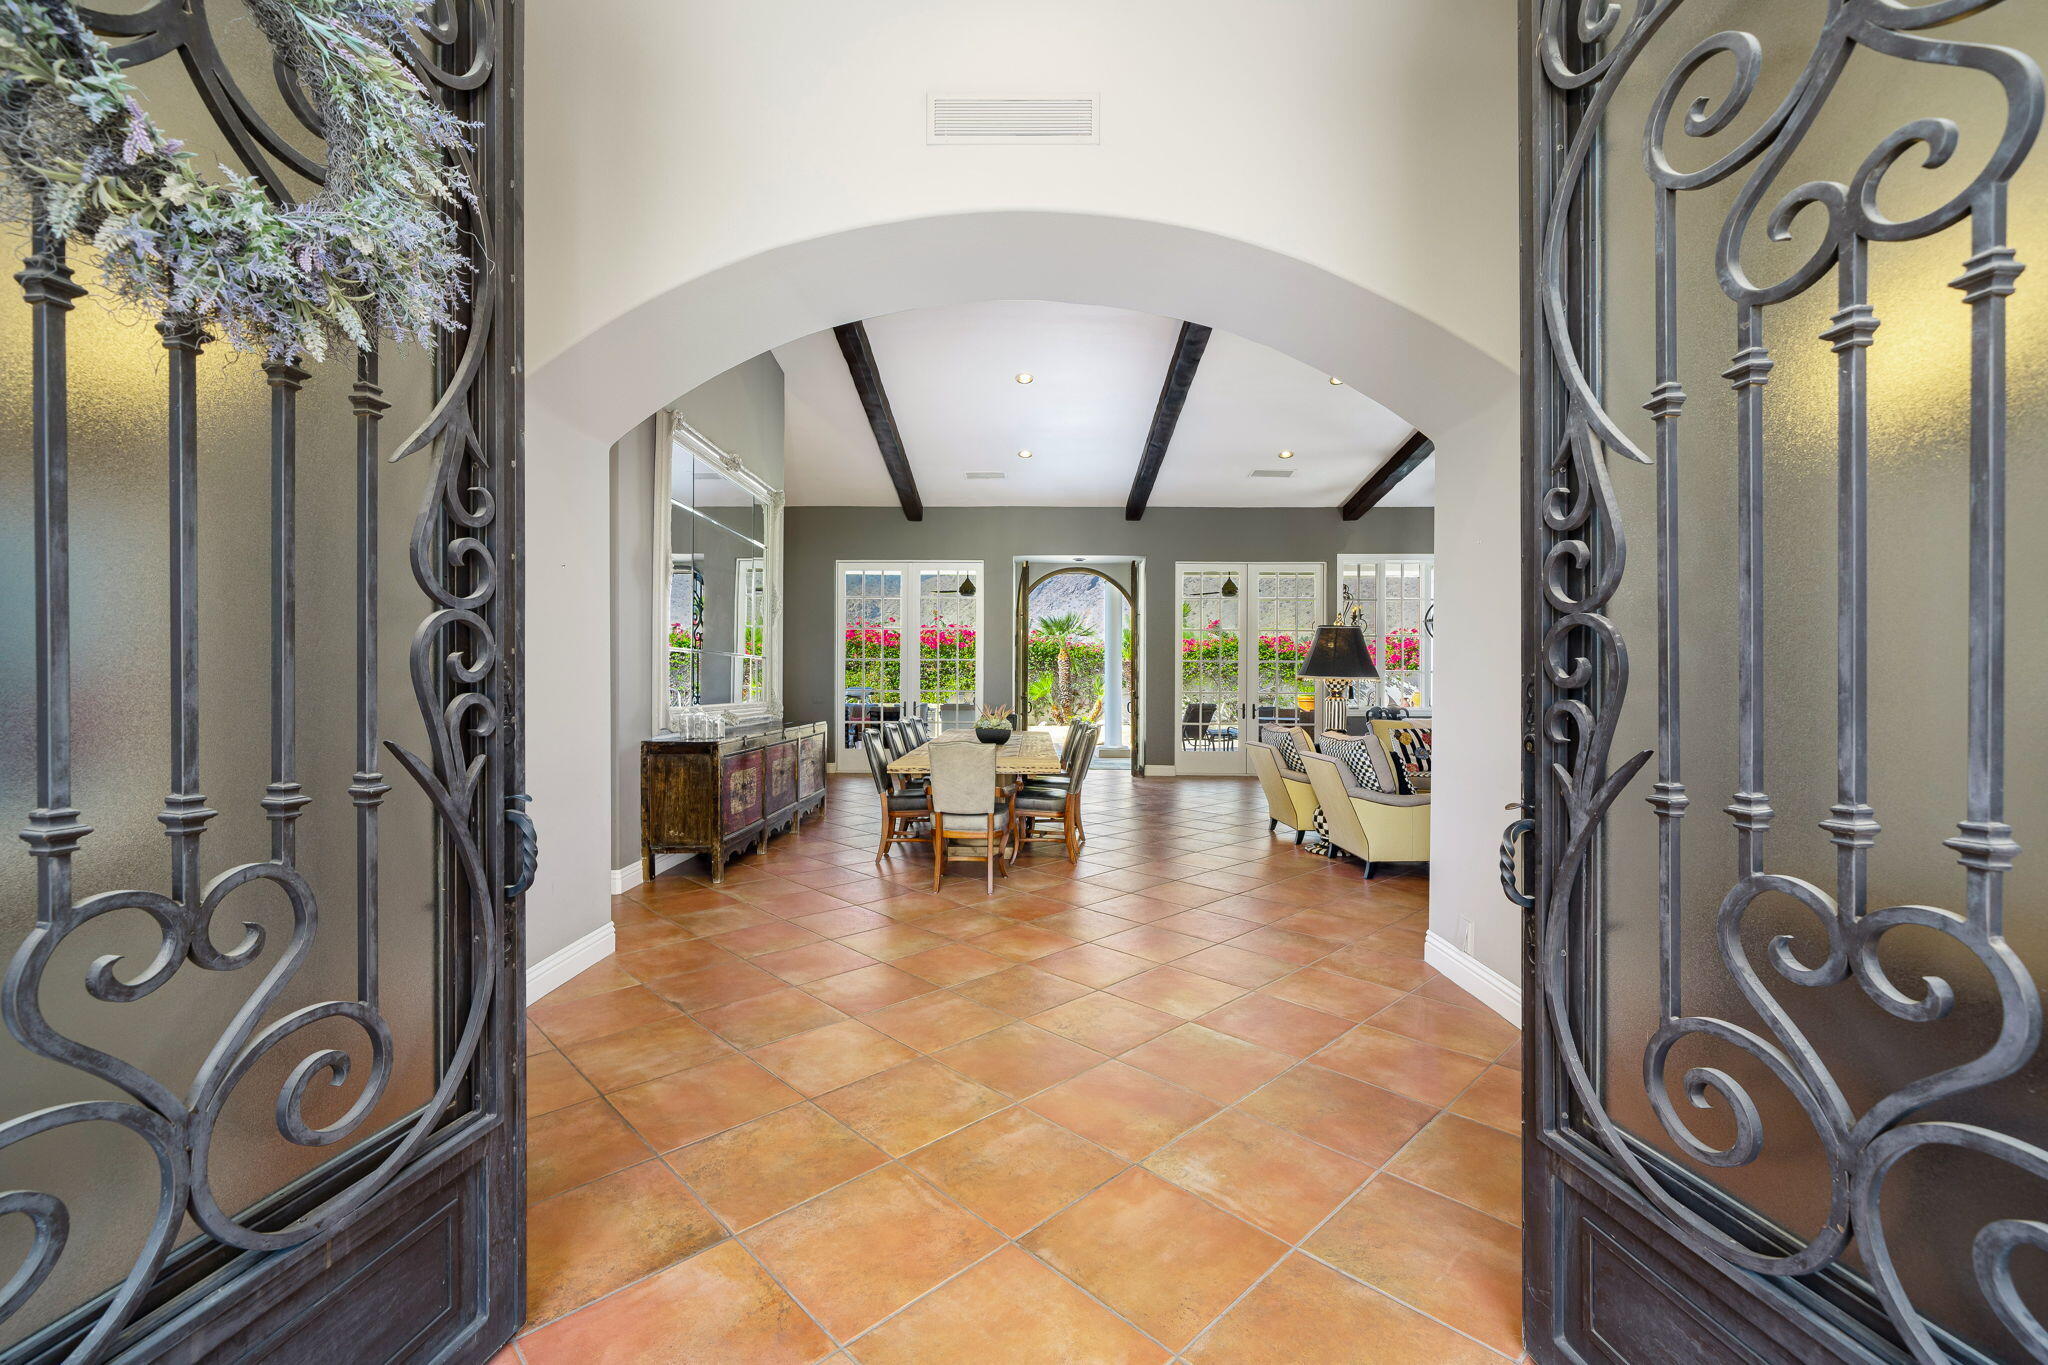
625 878
1160 770
1496 992
556 968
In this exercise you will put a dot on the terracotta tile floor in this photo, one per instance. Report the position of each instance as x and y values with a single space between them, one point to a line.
1194 1099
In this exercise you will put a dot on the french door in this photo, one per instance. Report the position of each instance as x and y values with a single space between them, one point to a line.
1785 477
1241 633
908 646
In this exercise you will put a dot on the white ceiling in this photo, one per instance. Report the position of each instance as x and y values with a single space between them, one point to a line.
950 375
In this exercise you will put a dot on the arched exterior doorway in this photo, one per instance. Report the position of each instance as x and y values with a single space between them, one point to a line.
1095 672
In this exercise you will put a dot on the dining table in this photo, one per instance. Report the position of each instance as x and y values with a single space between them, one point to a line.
1028 753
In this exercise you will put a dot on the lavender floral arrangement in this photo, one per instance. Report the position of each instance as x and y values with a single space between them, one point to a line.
375 252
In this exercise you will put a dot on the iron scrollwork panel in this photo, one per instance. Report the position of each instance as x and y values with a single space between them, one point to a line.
458 666
1837 230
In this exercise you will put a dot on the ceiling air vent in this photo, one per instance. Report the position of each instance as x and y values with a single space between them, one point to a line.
987 119
1272 473
983 474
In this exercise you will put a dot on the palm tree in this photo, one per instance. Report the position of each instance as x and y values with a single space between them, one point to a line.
1063 632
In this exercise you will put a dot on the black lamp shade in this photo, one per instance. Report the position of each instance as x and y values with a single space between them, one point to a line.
1339 652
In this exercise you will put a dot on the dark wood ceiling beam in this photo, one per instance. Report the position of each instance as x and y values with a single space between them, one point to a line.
874 401
1399 466
1173 396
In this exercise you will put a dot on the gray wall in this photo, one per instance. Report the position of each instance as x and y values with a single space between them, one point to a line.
816 537
741 412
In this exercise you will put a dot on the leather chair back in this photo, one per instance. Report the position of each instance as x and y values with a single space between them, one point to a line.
878 762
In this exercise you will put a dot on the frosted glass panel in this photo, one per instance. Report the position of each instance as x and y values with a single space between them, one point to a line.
1919 410
121 701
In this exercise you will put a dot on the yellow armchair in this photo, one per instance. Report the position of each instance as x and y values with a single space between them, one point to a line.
1371 826
1290 801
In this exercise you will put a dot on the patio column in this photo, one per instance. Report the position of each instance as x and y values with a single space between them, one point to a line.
1113 668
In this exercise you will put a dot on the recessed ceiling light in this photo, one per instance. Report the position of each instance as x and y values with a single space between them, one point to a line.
1335 380
1286 454
1024 377
1023 454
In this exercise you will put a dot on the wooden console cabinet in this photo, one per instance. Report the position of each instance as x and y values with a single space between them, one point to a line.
720 797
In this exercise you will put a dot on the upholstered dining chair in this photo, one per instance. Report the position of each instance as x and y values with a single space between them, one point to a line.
1290 801
1037 803
919 732
1371 826
964 791
1073 740
894 740
901 809
1075 733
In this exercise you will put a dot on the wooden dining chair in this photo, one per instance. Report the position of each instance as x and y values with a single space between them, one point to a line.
902 808
1065 777
1073 742
964 791
1038 803
893 740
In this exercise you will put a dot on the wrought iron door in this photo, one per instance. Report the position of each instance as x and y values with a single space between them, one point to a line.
1786 477
260 1094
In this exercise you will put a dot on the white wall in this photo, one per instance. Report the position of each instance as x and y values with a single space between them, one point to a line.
1332 178
1478 682
1376 138
632 610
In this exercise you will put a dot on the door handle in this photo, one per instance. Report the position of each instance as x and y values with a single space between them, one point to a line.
1510 839
525 844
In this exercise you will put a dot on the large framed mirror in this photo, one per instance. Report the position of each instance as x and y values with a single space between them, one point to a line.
718 582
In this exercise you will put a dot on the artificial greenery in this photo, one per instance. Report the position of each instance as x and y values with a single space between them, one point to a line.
375 251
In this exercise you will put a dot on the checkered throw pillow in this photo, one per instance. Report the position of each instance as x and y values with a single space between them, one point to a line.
1358 758
1290 752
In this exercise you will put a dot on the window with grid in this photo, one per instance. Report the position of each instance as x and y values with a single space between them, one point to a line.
948 645
1211 682
685 632
1390 597
750 609
871 659
1288 602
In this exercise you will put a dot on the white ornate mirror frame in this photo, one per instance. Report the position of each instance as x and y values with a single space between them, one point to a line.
686 442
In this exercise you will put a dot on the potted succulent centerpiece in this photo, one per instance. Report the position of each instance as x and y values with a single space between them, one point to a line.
995 725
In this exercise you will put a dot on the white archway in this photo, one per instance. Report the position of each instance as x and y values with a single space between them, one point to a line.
608 381
584 399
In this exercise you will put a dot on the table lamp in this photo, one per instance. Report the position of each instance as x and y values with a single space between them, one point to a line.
1338 657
